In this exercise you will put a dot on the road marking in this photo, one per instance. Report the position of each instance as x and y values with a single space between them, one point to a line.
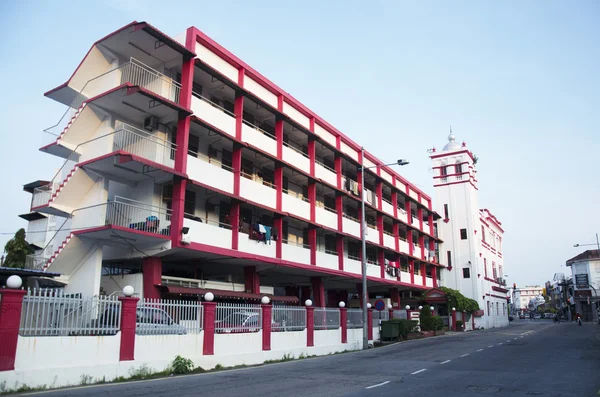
508 341
500 343
379 384
444 362
465 355
480 350
419 371
491 346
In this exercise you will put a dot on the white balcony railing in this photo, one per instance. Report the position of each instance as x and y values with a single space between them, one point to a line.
126 138
133 72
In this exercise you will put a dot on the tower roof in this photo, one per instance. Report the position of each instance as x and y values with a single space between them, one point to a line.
452 144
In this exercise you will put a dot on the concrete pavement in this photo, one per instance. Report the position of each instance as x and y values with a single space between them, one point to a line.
524 359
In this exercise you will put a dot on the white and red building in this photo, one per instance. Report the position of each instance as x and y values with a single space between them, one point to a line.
187 171
472 249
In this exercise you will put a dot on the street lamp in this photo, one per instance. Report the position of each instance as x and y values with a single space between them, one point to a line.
363 238
585 245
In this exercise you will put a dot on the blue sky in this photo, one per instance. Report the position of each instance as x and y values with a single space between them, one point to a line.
518 81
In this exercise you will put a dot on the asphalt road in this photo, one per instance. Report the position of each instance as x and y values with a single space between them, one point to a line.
528 358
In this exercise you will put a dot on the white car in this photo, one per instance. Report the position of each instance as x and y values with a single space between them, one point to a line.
155 321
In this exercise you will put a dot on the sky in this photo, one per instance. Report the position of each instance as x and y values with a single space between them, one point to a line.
518 81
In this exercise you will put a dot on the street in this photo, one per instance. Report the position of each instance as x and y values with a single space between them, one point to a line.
527 358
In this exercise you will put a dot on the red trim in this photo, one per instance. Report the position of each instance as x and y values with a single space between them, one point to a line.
496 296
444 154
266 316
310 326
151 275
456 183
119 228
370 323
208 326
128 324
11 305
499 289
448 175
344 324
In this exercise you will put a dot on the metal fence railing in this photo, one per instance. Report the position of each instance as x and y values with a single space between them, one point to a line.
354 318
383 315
288 318
326 318
234 318
399 314
53 313
168 317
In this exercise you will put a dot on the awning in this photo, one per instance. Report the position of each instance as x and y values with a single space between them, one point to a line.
174 289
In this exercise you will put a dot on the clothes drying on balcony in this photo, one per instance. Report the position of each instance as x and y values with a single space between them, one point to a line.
263 233
352 186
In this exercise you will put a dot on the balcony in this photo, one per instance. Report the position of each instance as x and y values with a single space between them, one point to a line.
295 157
404 276
352 264
429 282
210 171
213 114
351 225
256 247
259 138
255 190
387 207
403 246
389 240
36 231
372 235
328 259
373 270
326 217
325 173
295 252
295 203
209 232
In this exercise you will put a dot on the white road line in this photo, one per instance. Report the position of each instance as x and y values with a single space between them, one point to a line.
480 350
379 384
508 341
465 355
419 371
491 346
444 362
500 343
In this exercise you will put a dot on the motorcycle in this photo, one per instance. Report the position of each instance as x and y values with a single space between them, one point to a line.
579 321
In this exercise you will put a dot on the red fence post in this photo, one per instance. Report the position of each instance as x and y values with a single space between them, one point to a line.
391 313
210 309
464 320
128 323
10 320
266 326
370 323
344 323
310 326
453 328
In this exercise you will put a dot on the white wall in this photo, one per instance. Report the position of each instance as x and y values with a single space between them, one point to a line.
115 283
85 278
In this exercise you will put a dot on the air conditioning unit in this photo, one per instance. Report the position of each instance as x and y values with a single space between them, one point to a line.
151 123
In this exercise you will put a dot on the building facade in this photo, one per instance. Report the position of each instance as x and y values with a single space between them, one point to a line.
585 270
527 293
472 249
186 171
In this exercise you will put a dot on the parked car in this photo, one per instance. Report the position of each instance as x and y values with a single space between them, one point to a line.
521 316
537 316
155 321
242 321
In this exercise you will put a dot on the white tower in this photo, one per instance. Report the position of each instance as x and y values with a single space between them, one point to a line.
463 228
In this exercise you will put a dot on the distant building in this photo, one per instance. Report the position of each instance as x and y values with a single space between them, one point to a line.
528 293
472 248
585 269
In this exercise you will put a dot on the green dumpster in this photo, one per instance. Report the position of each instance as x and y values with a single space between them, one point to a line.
390 330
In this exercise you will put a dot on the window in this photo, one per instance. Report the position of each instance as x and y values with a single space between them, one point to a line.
466 272
449 260
446 211
494 270
443 171
193 145
458 168
485 267
189 206
483 233
463 234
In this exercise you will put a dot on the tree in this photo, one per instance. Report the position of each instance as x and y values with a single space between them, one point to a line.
17 250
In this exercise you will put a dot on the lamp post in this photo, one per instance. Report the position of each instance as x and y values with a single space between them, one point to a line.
594 312
363 229
584 245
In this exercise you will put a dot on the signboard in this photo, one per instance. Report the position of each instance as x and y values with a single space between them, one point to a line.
581 280
379 305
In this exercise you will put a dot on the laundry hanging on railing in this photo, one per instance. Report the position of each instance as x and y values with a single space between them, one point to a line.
263 233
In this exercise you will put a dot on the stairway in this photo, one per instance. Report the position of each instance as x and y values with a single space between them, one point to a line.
77 113
57 252
62 184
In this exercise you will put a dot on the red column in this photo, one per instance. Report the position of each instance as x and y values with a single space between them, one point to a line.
152 273
380 228
409 241
278 176
278 224
434 276
183 125
420 216
310 326
395 297
344 324
128 322
339 208
312 155
411 267
234 220
178 202
430 221
422 245
238 111
210 309
251 280
370 323
318 289
312 197
312 242
379 193
395 203
279 138
340 251
423 272
407 209
453 328
338 170
236 165
396 231
266 326
381 259
11 304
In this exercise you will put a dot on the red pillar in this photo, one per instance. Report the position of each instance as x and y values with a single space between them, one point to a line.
340 251
434 276
411 267
344 324
420 216
395 202
310 326
318 289
210 309
312 198
407 209
278 224
379 192
380 228
279 138
430 222
312 242
381 259
395 297
251 280
234 220
11 304
128 322
453 328
422 246
424 272
338 170
183 125
312 154
238 111
152 273
409 241
339 209
266 326
178 203
236 165
396 231
278 182
370 323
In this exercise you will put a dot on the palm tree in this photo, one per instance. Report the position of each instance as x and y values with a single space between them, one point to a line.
17 250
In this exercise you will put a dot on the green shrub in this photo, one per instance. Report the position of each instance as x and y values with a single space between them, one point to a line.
459 324
438 323
426 319
181 365
406 326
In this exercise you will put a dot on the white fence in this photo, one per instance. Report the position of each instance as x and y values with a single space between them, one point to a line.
288 318
383 315
233 318
355 318
53 313
168 317
326 318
